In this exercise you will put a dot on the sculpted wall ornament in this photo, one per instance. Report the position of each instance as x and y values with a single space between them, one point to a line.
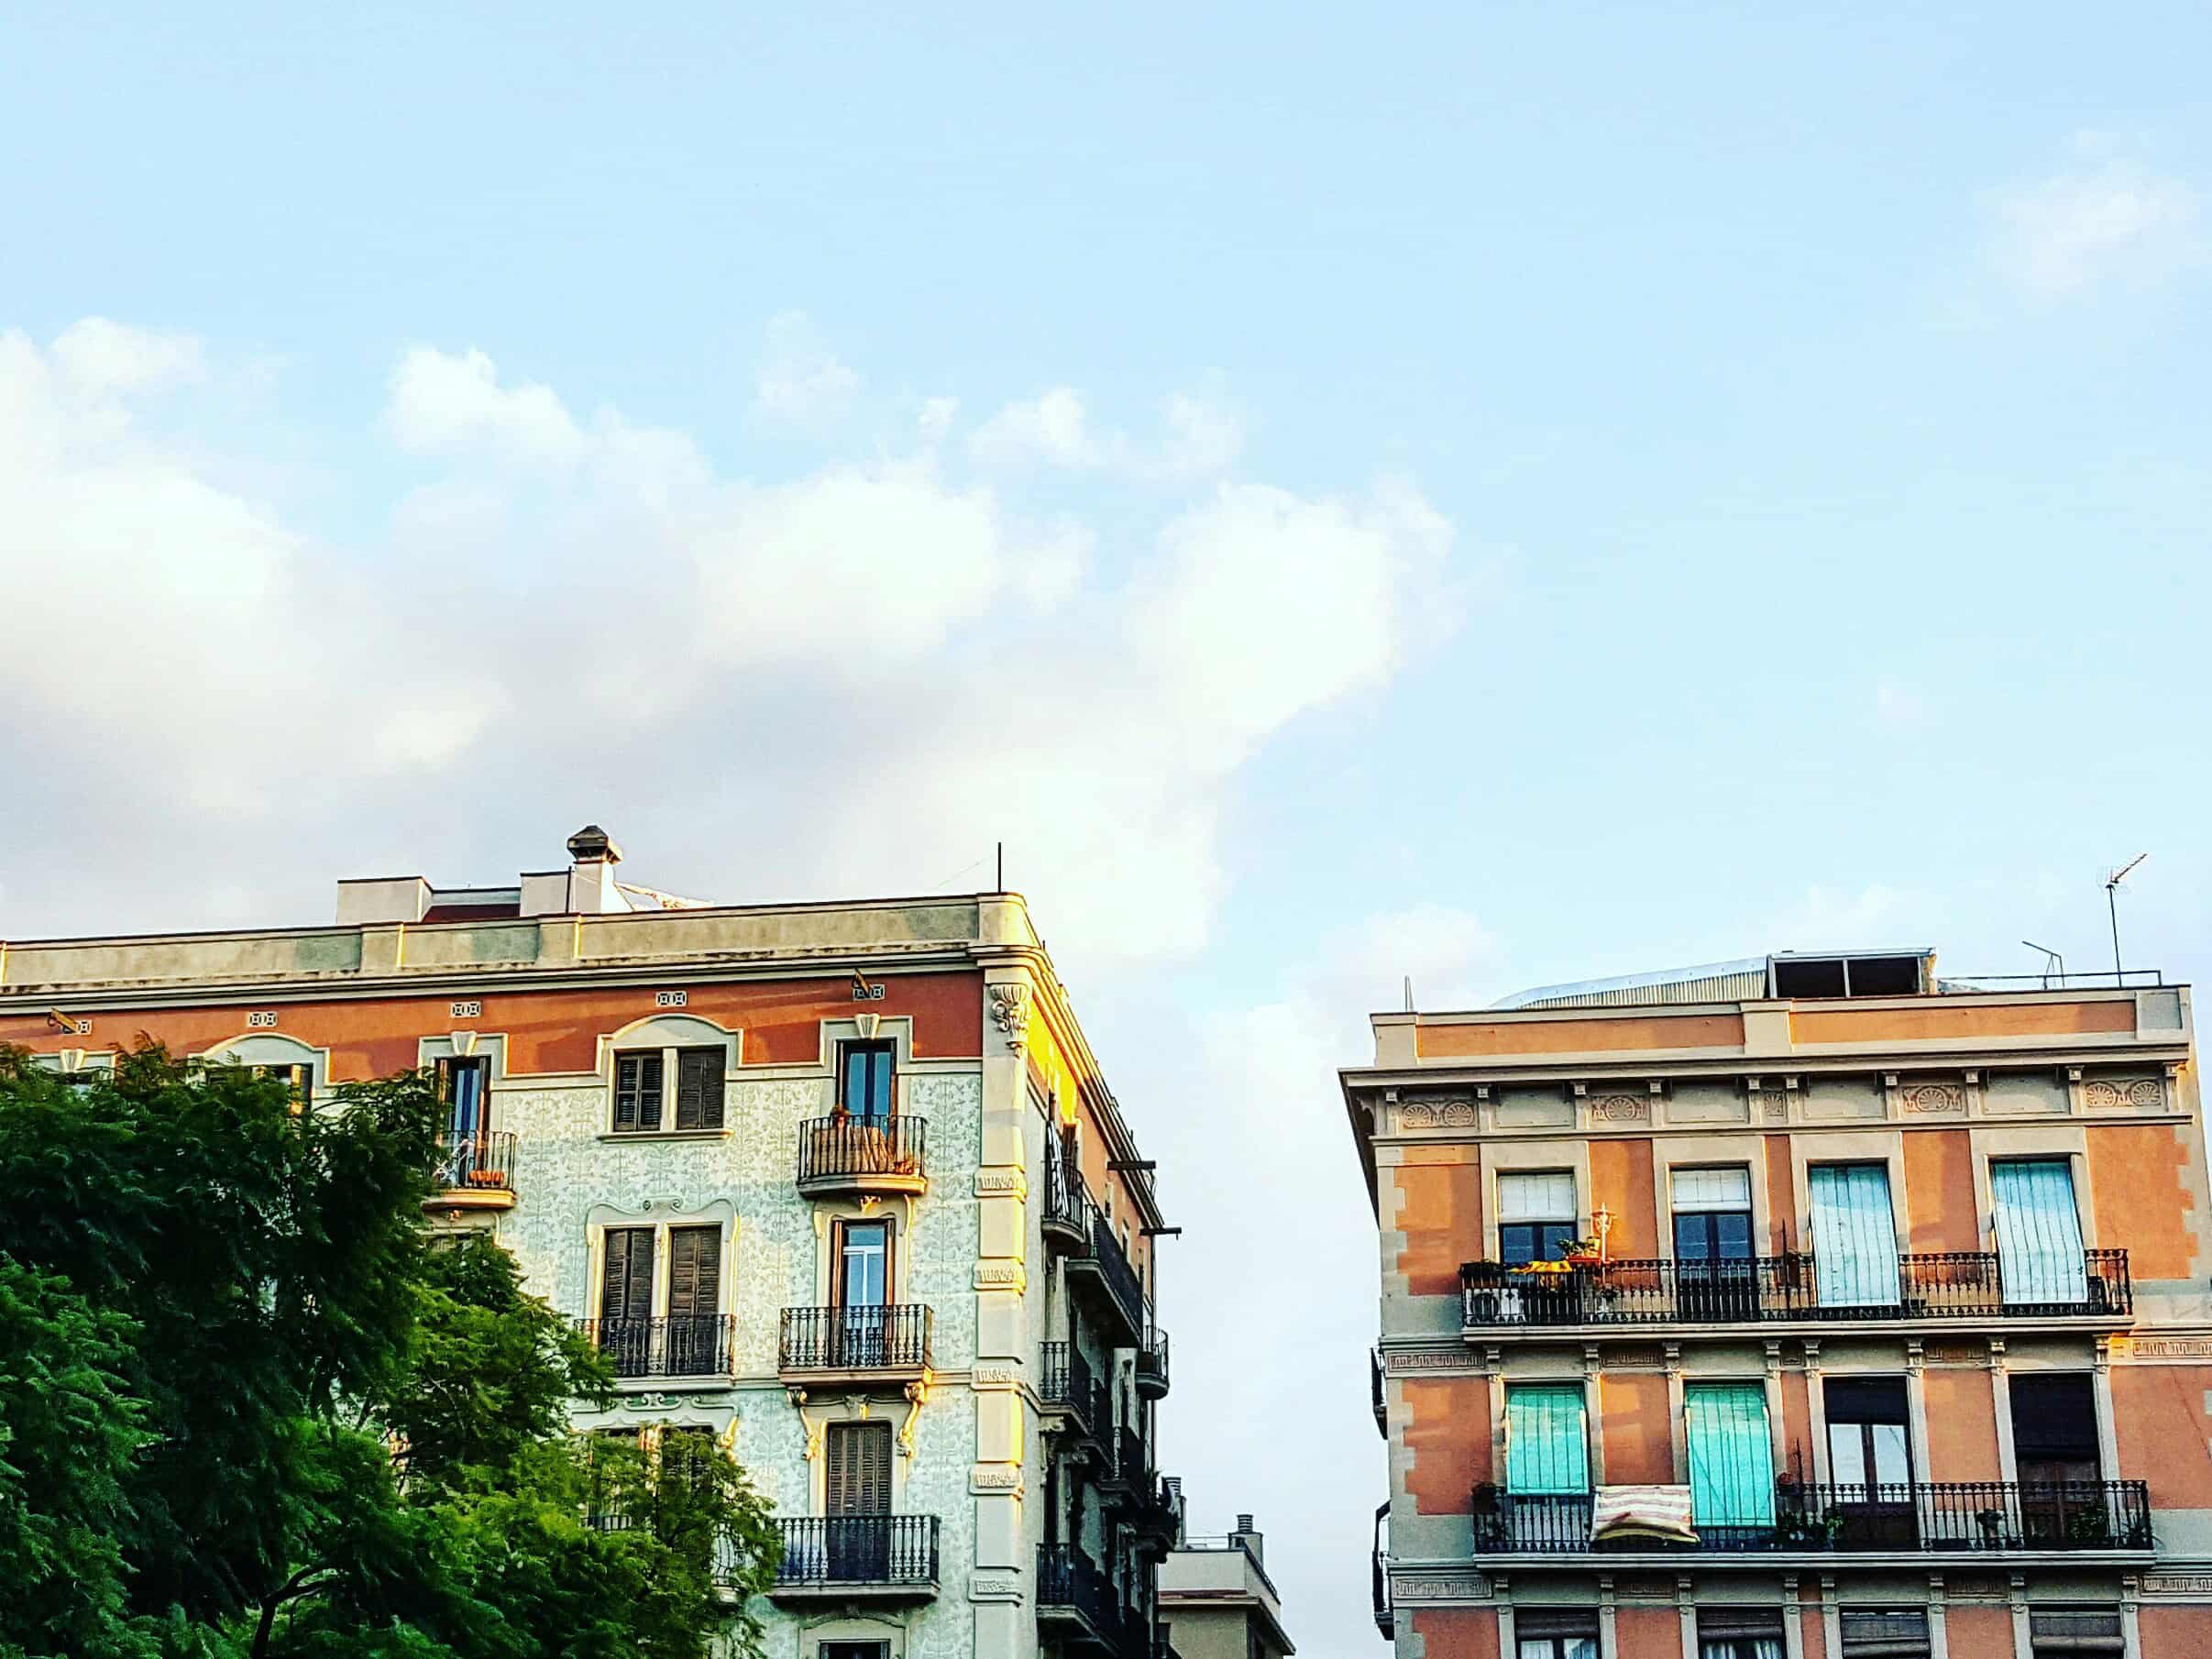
1932 1097
1416 1115
1621 1109
1011 1013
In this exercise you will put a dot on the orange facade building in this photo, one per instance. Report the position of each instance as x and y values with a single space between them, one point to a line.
839 1184
1796 1307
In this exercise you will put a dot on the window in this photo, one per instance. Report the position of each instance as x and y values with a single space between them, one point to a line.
2067 1632
301 1078
1535 1216
863 1082
1731 1460
1715 1276
853 1650
1885 1633
1740 1632
1546 1440
864 1264
640 1079
856 1497
2054 1448
1870 1462
1853 1235
626 1300
461 1086
2038 1232
694 1342
1542 1633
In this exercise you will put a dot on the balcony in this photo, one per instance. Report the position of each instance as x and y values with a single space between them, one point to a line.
881 1558
1158 1514
1153 1364
1988 1516
1386 1620
696 1345
1102 1276
844 1157
1768 1290
474 1172
1123 1483
1075 1601
871 1345
1067 1388
1374 1378
1065 1220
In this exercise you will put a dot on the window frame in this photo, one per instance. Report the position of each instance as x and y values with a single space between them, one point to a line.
871 1049
450 1066
667 1093
1544 1236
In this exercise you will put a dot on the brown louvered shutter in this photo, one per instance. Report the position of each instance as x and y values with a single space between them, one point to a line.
626 1286
637 1091
699 1089
695 1259
859 1479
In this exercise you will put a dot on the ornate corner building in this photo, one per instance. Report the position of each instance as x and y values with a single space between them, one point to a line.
839 1184
1796 1307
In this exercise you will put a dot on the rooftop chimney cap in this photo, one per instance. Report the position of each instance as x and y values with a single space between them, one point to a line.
592 845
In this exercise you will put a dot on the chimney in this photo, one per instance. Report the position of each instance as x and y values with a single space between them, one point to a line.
1250 1537
593 856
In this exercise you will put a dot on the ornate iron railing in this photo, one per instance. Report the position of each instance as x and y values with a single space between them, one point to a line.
1066 1382
1070 1581
476 1163
850 1147
1929 1518
1755 1289
1153 1361
889 1338
685 1346
825 1550
1374 1378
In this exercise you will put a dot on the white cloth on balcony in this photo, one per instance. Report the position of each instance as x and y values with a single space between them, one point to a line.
1659 1512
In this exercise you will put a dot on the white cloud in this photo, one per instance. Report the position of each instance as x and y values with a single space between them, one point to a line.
95 355
801 384
1201 437
438 402
2110 217
1051 427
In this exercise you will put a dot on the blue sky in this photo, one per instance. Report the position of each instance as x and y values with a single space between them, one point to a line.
1493 494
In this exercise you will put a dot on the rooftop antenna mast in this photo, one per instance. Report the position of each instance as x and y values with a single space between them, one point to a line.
2053 962
2112 910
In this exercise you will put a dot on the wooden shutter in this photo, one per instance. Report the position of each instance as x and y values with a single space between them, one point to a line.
695 1261
637 1090
626 1286
859 1469
699 1089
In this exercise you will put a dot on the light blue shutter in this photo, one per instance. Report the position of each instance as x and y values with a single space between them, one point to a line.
1731 1455
1546 1441
1853 1235
2038 1232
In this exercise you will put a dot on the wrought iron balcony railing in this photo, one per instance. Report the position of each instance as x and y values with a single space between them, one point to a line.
857 1150
476 1163
887 1551
1104 1260
1070 1585
1066 1382
1929 1518
1374 1378
1153 1363
894 1338
1764 1289
683 1346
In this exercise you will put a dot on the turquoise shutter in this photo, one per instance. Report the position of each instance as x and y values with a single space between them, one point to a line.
2038 1232
1853 1235
1546 1441
1731 1455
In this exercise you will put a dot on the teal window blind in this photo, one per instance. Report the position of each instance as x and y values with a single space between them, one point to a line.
1546 1440
1731 1455
1853 1235
2039 1231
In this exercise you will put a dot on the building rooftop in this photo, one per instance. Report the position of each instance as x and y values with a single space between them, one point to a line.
1887 971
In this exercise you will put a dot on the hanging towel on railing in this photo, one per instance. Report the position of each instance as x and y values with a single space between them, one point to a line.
1853 1235
2038 1232
1658 1512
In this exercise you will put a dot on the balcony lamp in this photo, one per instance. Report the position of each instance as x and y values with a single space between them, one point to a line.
1600 1222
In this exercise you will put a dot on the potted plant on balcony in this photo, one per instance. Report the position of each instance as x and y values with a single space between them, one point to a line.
1582 1253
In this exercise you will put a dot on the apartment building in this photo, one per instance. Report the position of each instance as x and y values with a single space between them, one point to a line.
1217 1601
1807 1307
840 1184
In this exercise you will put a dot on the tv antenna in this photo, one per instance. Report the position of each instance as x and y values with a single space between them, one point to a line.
2053 962
2112 883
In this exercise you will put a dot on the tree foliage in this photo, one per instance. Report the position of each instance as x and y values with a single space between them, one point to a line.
245 1412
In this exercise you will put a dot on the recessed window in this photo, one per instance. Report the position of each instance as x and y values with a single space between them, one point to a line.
300 1078
461 1085
641 1090
1749 1633
1535 1216
1885 1633
2069 1633
1542 1633
865 1073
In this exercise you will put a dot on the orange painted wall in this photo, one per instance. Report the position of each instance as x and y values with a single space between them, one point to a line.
1781 1197
2176 1630
1639 1436
1448 1432
1456 1632
2139 1183
1648 1633
1939 1191
1582 1036
1979 1632
1940 1020
1961 1425
1620 1178
1815 1632
2159 1418
1797 1426
546 1030
1440 1213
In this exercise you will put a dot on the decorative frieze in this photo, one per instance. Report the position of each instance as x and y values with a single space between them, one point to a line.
1620 1109
1417 1360
1002 1182
995 1477
2137 1093
990 1376
1440 1586
1436 1114
994 1587
2161 1348
2177 1584
1001 1275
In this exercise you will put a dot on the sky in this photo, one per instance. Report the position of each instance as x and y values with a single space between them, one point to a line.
1493 495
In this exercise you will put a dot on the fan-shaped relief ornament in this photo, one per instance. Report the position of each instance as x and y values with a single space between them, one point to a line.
1621 1109
1457 1115
2100 1094
1933 1097
1415 1115
2147 1093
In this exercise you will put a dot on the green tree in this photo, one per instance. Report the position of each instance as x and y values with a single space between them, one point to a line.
297 1431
